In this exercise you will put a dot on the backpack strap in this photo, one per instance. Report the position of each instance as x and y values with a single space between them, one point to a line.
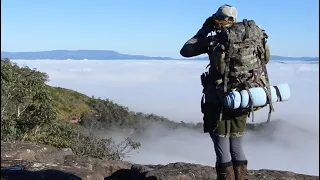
246 26
271 109
229 54
247 86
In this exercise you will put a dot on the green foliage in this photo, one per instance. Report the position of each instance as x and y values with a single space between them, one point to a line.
108 112
58 134
92 146
26 104
69 104
32 111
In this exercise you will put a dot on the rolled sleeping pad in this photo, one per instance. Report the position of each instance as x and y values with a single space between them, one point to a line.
236 99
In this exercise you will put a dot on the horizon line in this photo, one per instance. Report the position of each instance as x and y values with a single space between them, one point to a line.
131 54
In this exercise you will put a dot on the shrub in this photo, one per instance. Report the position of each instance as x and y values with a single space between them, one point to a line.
28 113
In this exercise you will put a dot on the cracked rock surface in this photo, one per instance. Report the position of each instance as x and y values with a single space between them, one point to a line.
28 161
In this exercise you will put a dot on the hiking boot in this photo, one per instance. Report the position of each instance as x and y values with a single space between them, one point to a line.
225 171
240 169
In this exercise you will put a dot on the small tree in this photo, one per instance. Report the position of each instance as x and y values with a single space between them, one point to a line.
26 104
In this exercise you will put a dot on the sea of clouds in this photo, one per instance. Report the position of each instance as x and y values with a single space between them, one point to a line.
172 89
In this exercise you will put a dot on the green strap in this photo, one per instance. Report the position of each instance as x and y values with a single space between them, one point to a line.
247 86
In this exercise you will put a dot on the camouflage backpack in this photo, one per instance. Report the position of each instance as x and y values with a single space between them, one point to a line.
239 59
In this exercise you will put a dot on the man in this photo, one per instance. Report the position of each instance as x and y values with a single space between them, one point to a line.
226 127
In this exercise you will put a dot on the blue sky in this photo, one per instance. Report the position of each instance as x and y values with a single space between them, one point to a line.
154 28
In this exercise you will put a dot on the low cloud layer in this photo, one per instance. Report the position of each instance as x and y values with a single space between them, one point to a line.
173 89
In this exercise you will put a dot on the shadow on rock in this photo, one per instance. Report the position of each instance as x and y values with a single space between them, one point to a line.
48 174
124 174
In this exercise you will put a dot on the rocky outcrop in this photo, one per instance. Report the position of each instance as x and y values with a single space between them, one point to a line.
46 161
30 161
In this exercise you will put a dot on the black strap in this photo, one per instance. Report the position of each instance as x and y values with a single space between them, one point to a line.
202 104
268 97
279 98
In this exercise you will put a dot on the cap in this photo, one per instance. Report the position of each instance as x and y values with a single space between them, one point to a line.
227 11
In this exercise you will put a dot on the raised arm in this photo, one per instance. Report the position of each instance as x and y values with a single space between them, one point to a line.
195 46
199 43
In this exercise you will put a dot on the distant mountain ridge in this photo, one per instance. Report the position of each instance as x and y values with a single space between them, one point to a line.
281 58
76 55
110 55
